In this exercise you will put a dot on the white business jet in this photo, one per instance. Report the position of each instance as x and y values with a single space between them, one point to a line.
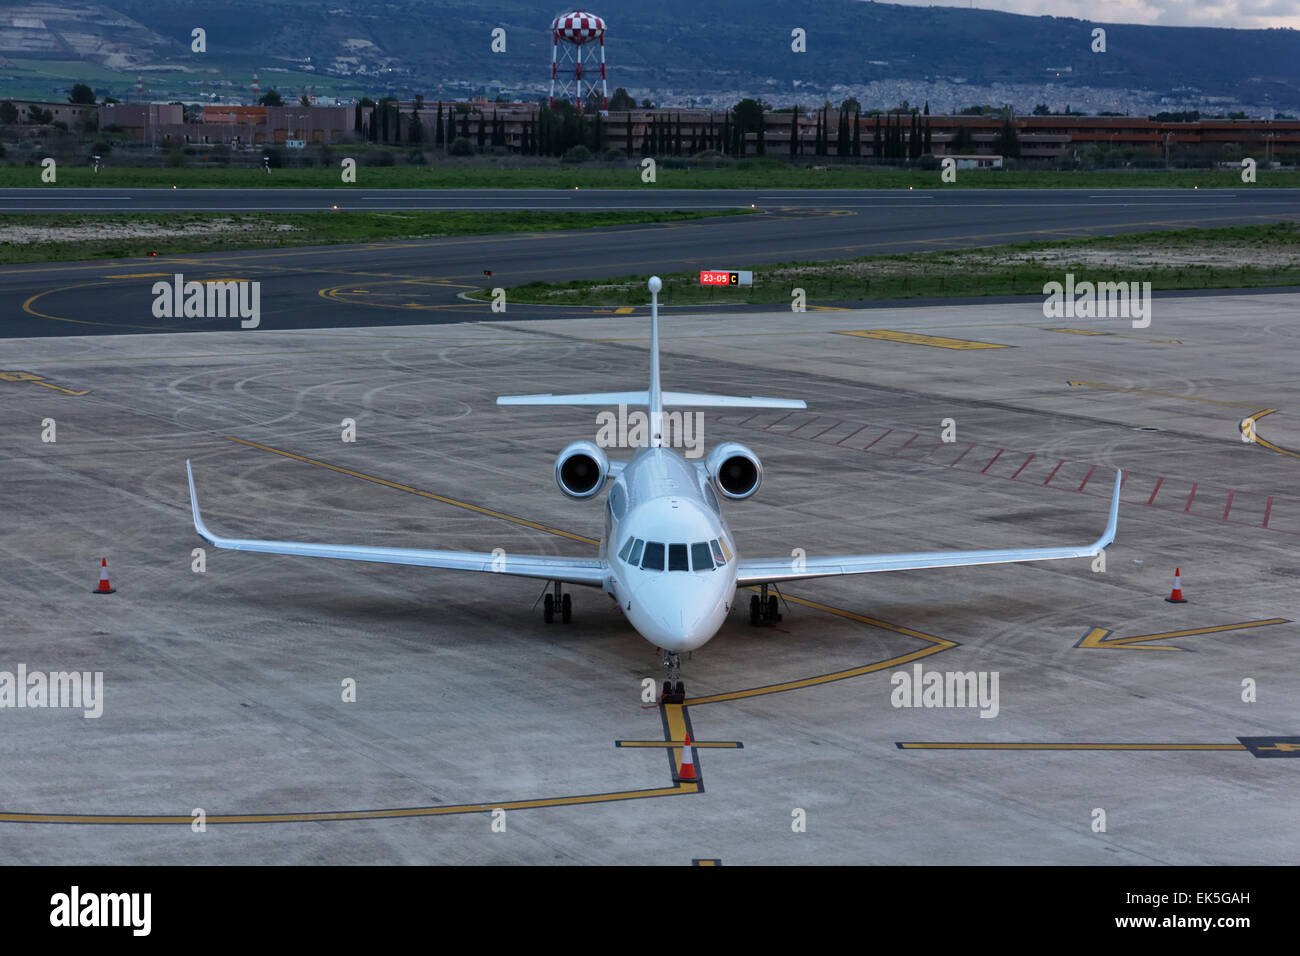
667 557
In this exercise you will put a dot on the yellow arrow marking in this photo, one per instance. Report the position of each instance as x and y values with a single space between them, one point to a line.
36 380
1100 637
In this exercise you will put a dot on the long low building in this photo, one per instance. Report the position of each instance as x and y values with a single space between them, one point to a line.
514 126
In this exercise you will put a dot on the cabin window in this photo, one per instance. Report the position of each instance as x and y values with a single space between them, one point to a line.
677 558
635 558
627 548
718 557
701 558
654 556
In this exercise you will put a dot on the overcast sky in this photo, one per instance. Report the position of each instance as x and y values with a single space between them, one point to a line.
1253 14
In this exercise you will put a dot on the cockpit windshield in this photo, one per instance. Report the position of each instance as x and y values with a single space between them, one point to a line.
698 556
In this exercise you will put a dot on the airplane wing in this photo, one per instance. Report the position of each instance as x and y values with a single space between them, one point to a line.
774 570
670 399
589 571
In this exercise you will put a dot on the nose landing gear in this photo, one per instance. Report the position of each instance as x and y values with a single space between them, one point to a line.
674 689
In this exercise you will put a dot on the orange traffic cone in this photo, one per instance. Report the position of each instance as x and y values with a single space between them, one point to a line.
1176 596
104 586
687 773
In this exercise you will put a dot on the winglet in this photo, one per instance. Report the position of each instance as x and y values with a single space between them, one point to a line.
1112 523
199 526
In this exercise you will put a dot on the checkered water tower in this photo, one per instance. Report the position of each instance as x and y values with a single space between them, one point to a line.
578 61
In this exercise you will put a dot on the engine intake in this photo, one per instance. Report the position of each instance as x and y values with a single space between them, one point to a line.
734 470
581 469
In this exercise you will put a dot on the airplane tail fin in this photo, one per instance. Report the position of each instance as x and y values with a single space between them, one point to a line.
654 398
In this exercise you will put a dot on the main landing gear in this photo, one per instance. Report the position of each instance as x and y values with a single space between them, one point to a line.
674 689
556 600
764 610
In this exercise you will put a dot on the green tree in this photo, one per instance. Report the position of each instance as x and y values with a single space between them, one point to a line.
270 98
851 105
415 129
1042 109
8 113
1008 140
621 101
82 95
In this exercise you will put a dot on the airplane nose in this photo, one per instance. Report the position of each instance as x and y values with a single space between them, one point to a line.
678 613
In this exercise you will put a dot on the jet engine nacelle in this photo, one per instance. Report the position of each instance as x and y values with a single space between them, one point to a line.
581 469
734 470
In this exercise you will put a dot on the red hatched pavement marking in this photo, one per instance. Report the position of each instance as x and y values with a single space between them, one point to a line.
906 443
1232 493
876 439
793 428
1048 479
1268 510
991 460
847 437
1190 496
1022 467
1159 481
1087 477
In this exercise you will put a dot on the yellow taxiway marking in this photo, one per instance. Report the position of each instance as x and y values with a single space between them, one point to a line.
714 862
27 307
331 815
916 338
416 491
915 745
1143 391
937 644
142 275
707 744
675 724
1117 335
1100 637
16 376
1255 436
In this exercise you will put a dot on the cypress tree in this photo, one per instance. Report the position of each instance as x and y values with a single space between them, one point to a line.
794 131
857 134
356 119
875 141
464 124
438 140
628 149
480 140
415 133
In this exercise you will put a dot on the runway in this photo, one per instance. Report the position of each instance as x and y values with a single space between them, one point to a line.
273 199
419 282
224 687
